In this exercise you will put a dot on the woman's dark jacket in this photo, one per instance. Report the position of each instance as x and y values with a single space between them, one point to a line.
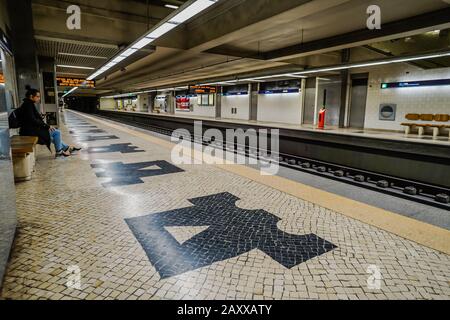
32 123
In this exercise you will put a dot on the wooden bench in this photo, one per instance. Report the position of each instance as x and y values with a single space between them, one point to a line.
24 156
426 117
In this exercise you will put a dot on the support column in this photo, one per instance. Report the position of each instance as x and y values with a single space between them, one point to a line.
316 103
219 103
344 89
171 104
23 43
254 88
48 88
303 97
151 101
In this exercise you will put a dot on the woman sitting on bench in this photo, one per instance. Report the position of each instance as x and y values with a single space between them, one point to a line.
33 125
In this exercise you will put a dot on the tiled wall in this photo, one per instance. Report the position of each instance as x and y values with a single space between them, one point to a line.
143 103
201 111
240 102
108 104
283 108
430 100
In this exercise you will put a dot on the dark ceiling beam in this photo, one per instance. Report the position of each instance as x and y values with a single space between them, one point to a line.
233 19
387 54
361 37
230 52
139 16
65 37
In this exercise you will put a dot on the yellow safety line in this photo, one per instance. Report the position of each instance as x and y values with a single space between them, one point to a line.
408 228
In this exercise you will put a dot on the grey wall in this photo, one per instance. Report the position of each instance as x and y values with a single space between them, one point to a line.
310 101
7 196
332 85
8 219
3 107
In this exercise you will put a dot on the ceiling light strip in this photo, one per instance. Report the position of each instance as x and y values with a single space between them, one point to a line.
376 63
178 17
74 67
72 90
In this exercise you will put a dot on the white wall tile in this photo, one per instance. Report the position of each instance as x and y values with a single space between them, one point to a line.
423 100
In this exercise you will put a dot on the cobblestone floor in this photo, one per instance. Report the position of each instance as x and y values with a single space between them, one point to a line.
71 218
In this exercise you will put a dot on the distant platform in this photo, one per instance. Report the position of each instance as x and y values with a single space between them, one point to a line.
393 154
369 133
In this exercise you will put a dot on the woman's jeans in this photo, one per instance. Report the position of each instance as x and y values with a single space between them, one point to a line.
57 141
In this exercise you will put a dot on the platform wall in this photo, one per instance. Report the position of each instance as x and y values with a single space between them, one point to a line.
241 102
201 111
8 216
429 100
108 104
282 108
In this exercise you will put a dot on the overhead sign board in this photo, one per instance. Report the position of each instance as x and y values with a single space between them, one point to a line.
74 82
412 84
203 89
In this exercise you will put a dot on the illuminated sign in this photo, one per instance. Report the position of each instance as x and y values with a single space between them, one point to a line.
74 82
279 91
203 89
2 79
413 84
235 93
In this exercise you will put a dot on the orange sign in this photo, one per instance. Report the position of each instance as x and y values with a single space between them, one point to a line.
2 79
74 82
204 89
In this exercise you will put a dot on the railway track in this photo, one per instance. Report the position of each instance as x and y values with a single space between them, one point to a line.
428 194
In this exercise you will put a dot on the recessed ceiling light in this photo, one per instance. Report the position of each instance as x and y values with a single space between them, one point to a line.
81 55
171 6
161 30
74 67
194 9
183 15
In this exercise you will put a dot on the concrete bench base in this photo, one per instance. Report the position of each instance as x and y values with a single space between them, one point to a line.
421 129
23 166
23 156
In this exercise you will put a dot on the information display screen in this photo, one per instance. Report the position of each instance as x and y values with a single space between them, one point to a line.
285 86
74 82
202 89
2 79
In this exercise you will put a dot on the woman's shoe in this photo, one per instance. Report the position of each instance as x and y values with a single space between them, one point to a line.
63 153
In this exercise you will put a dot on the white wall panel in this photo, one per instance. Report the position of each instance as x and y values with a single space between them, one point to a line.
107 104
241 102
283 108
200 111
422 100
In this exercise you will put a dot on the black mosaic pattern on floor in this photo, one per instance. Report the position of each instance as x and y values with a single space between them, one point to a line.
232 232
87 132
122 148
77 123
95 138
82 127
129 174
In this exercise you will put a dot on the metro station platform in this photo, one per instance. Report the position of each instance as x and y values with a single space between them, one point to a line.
134 225
367 133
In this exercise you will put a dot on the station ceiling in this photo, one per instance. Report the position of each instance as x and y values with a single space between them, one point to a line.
235 37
